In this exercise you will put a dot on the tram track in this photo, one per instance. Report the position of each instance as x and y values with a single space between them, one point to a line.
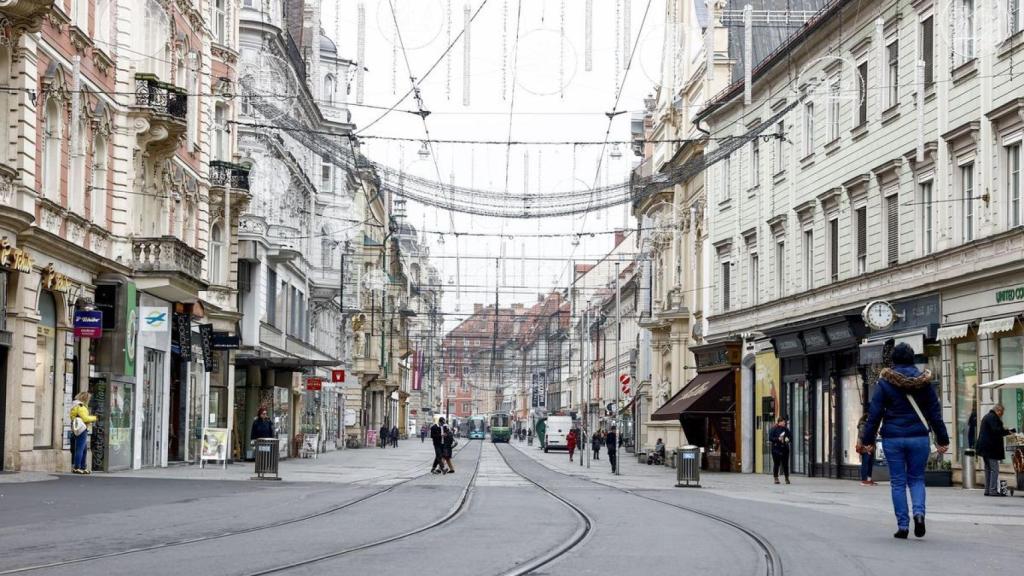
452 514
218 536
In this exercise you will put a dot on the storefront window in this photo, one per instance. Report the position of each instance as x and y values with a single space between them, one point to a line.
282 416
966 387
853 407
120 440
217 417
46 371
1011 363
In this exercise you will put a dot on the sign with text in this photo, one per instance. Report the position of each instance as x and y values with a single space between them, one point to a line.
88 323
314 383
225 341
181 337
205 341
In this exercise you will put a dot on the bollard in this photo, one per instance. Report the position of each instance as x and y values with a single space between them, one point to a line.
969 467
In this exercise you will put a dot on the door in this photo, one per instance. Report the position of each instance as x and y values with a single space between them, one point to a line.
799 424
825 428
3 399
177 432
152 409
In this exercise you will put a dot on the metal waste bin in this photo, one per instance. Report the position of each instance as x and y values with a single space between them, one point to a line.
267 456
688 467
969 468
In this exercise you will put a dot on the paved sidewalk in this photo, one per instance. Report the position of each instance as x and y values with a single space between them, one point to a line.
830 495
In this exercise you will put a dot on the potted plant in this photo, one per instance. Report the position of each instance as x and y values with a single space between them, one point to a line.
938 471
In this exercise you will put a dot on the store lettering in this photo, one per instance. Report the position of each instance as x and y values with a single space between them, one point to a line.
1010 295
14 258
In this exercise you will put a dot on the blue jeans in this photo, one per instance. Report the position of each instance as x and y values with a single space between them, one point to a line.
907 458
78 444
867 464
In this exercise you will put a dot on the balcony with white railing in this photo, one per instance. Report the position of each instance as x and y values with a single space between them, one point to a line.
168 268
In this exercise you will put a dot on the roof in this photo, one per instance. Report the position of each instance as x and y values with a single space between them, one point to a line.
327 45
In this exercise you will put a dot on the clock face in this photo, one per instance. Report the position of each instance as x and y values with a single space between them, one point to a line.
879 315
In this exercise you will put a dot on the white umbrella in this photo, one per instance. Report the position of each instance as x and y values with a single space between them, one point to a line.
1011 382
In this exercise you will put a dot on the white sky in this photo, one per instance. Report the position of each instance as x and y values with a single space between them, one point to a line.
576 116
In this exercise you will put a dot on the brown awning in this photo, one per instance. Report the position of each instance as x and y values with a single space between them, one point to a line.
708 393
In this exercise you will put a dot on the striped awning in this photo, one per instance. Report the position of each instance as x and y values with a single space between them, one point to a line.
947 333
996 325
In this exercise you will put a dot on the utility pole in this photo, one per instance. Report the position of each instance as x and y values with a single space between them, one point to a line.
618 336
341 335
585 364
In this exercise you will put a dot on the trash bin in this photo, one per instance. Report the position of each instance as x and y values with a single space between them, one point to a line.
267 456
688 467
969 467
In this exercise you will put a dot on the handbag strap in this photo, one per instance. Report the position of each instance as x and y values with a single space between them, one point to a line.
919 413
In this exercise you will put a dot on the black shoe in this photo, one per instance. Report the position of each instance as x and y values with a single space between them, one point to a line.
919 525
901 534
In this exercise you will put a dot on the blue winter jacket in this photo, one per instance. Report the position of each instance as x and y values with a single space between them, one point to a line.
891 408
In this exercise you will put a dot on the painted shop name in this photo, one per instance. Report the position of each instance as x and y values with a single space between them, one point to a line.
1010 295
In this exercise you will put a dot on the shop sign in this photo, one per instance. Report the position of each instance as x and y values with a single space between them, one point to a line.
154 319
788 345
314 383
131 329
840 334
337 375
815 340
215 444
225 341
88 323
55 281
14 258
1010 295
205 341
182 335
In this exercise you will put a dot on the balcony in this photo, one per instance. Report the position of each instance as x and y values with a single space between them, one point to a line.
27 14
163 109
168 268
227 174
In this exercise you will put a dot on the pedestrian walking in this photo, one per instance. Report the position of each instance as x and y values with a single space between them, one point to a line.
384 436
595 444
262 426
81 421
570 443
781 439
437 439
424 430
906 407
867 457
394 436
447 445
990 447
611 441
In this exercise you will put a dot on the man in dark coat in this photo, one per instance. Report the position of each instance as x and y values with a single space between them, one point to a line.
611 441
384 436
436 437
990 447
781 439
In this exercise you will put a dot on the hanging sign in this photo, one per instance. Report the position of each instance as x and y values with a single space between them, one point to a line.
182 335
205 337
338 376
314 383
88 323
625 380
225 341
154 319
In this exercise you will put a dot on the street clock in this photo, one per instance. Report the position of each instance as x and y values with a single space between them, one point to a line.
879 315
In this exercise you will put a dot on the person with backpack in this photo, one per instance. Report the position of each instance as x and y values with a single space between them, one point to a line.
437 438
906 407
81 420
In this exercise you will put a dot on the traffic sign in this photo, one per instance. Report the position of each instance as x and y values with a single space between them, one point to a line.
625 380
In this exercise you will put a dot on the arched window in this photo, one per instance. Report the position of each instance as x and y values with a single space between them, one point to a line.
216 255
46 371
328 95
52 141
151 41
99 179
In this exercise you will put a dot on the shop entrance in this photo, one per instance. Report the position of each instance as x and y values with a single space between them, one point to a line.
825 429
799 424
3 401
177 432
152 409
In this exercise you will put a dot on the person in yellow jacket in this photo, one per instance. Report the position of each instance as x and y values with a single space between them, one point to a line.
80 409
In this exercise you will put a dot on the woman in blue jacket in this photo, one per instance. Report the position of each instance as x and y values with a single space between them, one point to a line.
906 406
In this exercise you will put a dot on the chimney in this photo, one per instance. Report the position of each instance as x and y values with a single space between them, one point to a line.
477 308
620 235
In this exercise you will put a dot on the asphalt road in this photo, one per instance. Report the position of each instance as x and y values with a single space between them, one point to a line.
502 512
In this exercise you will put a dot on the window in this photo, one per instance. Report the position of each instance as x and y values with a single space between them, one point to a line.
216 255
966 386
467 407
98 187
1011 363
755 280
965 32
892 74
451 372
52 142
926 50
892 227
220 132
219 22
809 259
325 177
833 110
779 157
726 285
271 302
46 372
862 94
76 167
80 14
967 197
465 371
101 24
1013 183
808 128
726 177
326 249
755 162
928 217
328 95
1014 17
833 249
780 269
861 224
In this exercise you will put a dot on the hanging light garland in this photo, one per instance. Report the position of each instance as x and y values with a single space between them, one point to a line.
466 54
504 49
618 42
448 57
561 50
588 50
627 30
360 49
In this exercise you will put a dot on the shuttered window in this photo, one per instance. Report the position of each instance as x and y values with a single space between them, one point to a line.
862 94
927 217
725 286
780 269
892 218
862 239
809 259
755 277
833 249
927 43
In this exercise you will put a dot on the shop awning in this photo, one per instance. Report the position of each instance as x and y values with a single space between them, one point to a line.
283 362
947 333
996 325
708 393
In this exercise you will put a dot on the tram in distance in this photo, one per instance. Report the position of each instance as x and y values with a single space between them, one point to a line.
477 428
501 427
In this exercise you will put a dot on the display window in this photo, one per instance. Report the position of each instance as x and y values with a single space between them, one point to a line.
46 372
1011 362
965 359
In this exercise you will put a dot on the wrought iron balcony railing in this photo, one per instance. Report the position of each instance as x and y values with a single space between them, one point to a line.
161 97
229 174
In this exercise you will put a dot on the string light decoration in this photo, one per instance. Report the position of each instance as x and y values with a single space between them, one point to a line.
561 50
627 29
588 49
504 49
618 42
466 54
448 56
360 49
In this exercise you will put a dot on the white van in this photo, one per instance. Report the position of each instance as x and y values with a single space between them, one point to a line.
557 428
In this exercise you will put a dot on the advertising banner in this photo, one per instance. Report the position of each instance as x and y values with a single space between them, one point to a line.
215 444
88 323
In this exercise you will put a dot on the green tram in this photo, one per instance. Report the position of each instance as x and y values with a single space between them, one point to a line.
477 428
501 426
